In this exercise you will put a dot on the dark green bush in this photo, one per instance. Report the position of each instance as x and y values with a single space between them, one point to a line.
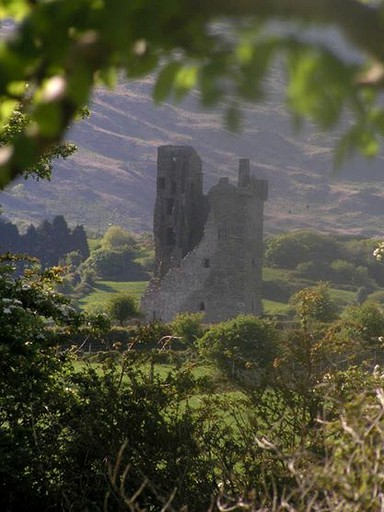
122 307
188 327
115 264
289 249
242 347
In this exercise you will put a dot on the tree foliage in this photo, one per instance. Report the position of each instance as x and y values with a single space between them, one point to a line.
288 250
365 322
115 265
61 49
188 327
314 305
118 238
242 345
42 167
49 242
122 307
117 437
302 258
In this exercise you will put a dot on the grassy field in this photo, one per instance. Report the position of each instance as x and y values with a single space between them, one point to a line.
271 307
281 274
102 290
342 297
160 369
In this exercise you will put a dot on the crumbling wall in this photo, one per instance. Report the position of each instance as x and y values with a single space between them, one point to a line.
180 209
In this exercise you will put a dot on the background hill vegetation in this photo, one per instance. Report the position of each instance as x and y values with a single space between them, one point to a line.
294 260
111 178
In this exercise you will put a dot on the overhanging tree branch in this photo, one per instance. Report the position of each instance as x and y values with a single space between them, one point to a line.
75 43
362 23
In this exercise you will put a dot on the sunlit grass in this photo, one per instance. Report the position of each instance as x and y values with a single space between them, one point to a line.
271 307
342 297
103 290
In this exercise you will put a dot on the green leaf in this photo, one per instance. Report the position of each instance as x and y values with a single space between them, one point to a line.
25 151
7 107
139 66
108 77
16 9
211 81
185 81
368 144
80 85
244 52
165 81
48 117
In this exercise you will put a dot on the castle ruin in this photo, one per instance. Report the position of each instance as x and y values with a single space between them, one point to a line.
208 248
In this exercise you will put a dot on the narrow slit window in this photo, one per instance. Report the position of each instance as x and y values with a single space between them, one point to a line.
202 306
183 178
206 263
222 234
170 206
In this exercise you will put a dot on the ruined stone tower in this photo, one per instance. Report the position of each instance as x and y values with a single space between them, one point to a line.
180 209
208 248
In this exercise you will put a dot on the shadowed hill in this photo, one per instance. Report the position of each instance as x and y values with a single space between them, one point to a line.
111 179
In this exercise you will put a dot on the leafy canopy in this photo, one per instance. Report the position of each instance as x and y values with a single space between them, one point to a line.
122 307
117 238
314 304
224 49
241 344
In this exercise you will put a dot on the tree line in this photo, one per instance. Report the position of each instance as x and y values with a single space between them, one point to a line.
49 241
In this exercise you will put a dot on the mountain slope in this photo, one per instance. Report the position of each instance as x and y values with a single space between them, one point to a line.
111 179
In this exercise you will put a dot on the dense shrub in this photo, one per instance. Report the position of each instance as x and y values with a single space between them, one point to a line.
365 321
279 290
70 440
243 347
313 270
289 249
115 265
346 272
117 238
187 326
34 395
376 297
314 304
122 307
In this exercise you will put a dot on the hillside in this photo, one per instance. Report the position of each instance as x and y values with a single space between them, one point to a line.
111 179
